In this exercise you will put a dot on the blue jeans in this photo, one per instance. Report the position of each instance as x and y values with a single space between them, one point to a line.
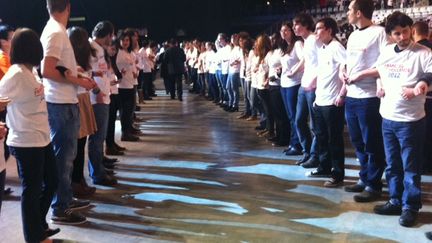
364 126
219 78
404 153
96 142
38 173
289 98
246 87
213 87
304 110
254 101
233 84
64 124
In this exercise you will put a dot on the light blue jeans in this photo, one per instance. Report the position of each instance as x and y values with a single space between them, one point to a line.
96 142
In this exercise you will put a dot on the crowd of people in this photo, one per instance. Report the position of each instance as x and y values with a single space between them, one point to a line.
302 85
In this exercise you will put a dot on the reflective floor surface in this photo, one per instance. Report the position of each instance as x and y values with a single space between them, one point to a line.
201 175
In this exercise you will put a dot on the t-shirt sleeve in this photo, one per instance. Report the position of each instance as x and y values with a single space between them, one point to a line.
298 48
53 45
340 54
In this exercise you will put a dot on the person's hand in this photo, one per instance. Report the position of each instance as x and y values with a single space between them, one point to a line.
407 93
97 73
135 75
39 91
114 82
340 101
123 71
100 97
421 88
380 93
354 78
3 130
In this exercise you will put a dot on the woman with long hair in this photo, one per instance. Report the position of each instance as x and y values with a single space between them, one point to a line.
291 73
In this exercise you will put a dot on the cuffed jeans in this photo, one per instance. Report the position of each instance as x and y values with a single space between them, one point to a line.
404 153
232 87
329 123
289 98
364 126
304 110
64 124
96 142
38 173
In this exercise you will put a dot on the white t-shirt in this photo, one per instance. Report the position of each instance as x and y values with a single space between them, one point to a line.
144 62
310 50
261 73
224 55
248 66
273 60
112 77
288 61
125 61
99 64
235 58
331 58
193 57
55 42
211 61
363 48
27 115
202 63
398 70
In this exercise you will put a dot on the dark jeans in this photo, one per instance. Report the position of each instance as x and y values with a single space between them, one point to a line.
264 96
202 83
78 164
289 98
127 107
280 116
213 87
147 85
404 153
38 173
114 107
427 161
304 110
176 84
194 79
329 123
2 186
364 126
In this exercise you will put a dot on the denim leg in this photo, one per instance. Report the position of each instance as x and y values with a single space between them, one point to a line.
264 96
224 80
301 121
289 98
364 126
411 139
64 125
229 89
235 84
246 93
280 115
253 99
38 174
95 143
219 85
310 98
322 136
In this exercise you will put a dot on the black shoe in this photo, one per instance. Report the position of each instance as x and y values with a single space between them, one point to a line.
50 232
408 218
119 148
304 159
333 183
129 138
148 98
109 172
259 128
180 99
311 163
8 191
354 188
108 166
109 160
367 196
107 181
388 209
77 204
273 139
293 151
113 151
319 173
234 109
68 217
429 235
227 108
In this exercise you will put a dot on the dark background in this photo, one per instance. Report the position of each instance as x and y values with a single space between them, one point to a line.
162 18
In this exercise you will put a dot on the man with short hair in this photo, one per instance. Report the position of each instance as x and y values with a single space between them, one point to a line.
174 59
405 71
361 104
62 104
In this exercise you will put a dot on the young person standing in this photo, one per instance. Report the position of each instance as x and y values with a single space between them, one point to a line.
405 71
62 103
361 104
